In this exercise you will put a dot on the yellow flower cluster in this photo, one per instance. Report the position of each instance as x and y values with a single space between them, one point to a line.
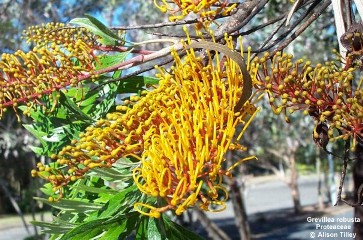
182 161
61 57
325 92
179 132
121 134
204 8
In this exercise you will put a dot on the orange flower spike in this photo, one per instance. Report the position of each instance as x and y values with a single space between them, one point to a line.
47 67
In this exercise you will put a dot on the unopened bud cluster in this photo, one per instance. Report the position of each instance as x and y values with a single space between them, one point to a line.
62 57
326 92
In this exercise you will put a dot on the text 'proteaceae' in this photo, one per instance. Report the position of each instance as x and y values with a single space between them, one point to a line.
179 133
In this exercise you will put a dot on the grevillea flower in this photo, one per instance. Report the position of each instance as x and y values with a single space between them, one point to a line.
182 161
62 56
121 134
204 8
325 92
179 132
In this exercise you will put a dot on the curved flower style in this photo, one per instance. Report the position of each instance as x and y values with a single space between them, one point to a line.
61 57
205 8
325 92
179 132
182 162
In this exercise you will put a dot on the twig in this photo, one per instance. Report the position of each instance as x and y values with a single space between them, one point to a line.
293 9
283 35
359 198
254 29
262 25
274 32
304 26
135 73
344 171
291 27
135 61
295 34
191 36
243 15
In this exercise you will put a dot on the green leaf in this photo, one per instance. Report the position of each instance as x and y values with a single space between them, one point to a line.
111 173
105 100
110 60
47 189
96 27
88 230
95 189
90 99
73 205
114 232
136 83
36 133
118 203
56 135
130 225
110 228
36 115
37 150
175 231
116 74
156 229
53 228
66 101
141 232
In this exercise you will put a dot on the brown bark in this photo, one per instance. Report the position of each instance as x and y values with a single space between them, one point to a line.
318 172
214 232
293 184
235 192
289 157
239 210
358 180
3 200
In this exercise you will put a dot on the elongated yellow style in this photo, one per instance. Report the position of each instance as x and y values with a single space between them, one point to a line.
183 160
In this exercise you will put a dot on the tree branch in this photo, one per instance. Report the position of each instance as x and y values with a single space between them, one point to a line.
301 29
246 11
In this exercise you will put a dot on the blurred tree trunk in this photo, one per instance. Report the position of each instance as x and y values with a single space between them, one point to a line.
293 184
3 200
239 210
358 181
238 203
214 232
318 173
288 155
